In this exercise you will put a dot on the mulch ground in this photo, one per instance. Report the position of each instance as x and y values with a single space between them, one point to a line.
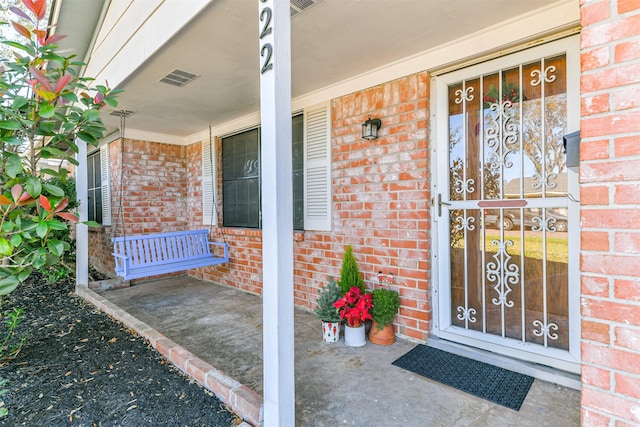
78 367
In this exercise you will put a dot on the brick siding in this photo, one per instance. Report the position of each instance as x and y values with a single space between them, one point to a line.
380 204
609 184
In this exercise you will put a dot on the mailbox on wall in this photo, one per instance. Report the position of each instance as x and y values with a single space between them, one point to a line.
572 148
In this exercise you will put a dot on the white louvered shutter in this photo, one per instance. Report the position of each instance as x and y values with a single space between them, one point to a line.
317 168
209 216
105 176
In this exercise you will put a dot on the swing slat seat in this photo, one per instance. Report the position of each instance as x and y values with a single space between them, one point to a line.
146 255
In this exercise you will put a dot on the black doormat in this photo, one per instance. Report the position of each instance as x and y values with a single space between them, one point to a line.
497 385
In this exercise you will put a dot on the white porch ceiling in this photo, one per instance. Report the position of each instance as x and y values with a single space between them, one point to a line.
332 41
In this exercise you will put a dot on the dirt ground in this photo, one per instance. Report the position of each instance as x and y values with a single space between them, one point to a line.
78 367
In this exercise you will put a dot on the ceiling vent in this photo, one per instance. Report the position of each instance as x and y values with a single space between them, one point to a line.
117 113
298 6
178 78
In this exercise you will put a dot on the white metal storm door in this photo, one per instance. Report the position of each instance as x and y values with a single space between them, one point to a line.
508 236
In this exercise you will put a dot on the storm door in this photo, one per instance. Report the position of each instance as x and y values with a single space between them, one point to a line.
506 207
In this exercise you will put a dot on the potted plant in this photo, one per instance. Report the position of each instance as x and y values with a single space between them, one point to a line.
327 312
354 307
385 306
349 273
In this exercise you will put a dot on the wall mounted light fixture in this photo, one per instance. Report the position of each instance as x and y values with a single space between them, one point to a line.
370 128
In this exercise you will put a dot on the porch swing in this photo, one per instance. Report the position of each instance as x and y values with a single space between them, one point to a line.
146 255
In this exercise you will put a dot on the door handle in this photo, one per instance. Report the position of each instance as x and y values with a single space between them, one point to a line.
440 203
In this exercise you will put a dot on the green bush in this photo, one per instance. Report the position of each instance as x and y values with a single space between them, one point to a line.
386 303
350 274
46 108
61 267
329 294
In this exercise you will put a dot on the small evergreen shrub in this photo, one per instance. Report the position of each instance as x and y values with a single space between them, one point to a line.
385 306
350 274
328 295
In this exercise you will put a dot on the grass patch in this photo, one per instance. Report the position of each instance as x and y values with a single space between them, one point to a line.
557 247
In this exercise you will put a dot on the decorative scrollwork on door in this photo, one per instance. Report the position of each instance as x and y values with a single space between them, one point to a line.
464 95
547 182
463 186
546 75
501 133
467 314
465 223
503 273
545 329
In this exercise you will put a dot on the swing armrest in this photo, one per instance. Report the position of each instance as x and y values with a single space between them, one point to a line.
125 261
222 245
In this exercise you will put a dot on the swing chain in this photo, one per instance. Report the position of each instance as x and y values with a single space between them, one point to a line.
214 208
120 205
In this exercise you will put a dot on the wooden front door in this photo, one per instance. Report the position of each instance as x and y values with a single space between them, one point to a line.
506 207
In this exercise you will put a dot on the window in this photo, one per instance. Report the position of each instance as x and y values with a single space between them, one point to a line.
99 194
94 184
241 178
297 140
311 156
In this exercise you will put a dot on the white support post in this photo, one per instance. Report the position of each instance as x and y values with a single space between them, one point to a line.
82 231
274 36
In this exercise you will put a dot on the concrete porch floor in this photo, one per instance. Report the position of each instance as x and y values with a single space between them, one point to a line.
214 333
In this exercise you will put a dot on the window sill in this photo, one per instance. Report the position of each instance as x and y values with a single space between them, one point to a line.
101 229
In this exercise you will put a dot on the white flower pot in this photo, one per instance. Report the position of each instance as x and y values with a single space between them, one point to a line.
354 337
331 331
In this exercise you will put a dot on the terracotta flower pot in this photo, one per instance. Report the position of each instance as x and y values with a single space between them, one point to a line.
386 336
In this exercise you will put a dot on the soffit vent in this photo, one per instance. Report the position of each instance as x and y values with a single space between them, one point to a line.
178 78
117 113
298 6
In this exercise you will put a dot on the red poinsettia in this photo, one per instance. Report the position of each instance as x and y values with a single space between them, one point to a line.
354 306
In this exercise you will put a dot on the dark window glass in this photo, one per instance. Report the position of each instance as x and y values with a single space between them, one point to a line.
241 180
94 181
298 172
241 196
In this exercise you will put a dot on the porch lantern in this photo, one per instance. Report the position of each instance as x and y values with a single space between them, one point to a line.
370 128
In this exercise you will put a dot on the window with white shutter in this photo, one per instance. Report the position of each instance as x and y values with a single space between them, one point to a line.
209 216
317 168
105 177
98 191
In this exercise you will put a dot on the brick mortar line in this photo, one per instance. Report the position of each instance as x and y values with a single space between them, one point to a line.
243 400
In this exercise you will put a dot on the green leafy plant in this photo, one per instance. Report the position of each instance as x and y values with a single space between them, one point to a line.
386 303
328 295
350 274
45 108
10 341
3 411
510 92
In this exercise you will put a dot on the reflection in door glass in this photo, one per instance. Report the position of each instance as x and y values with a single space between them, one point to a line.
509 261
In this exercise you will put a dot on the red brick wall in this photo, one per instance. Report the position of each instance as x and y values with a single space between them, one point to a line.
609 194
380 203
380 199
380 206
154 195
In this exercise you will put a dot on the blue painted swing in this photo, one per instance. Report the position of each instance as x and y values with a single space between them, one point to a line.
152 254
145 255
